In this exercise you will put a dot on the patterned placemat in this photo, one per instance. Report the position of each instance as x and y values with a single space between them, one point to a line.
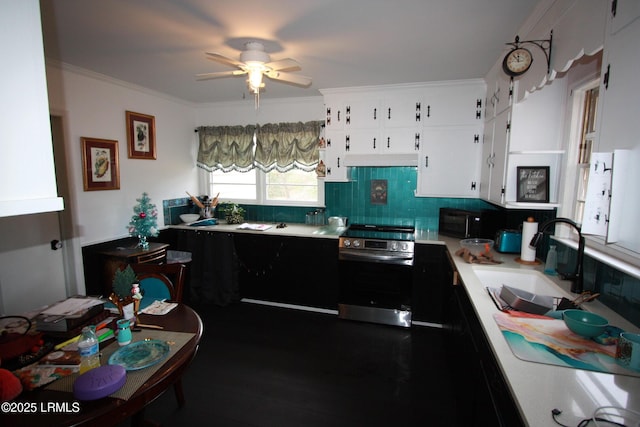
135 379
545 340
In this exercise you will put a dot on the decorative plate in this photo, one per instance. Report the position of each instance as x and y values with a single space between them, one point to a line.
140 354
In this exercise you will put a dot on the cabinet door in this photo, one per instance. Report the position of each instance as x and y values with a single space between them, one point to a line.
486 165
449 162
453 105
363 141
362 114
620 90
401 140
334 115
499 158
402 110
334 153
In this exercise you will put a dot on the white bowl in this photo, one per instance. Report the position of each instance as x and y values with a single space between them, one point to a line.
189 217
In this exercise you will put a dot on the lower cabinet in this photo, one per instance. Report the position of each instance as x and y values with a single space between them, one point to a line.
429 284
482 394
213 271
292 270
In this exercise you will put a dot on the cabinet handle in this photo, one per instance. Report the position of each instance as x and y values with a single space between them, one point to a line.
375 114
338 161
388 142
338 115
426 161
347 143
374 143
328 142
476 139
417 142
389 114
428 110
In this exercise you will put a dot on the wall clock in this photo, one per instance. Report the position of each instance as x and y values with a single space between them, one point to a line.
517 61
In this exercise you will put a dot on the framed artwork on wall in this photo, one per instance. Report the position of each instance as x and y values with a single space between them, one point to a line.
100 169
533 184
141 135
379 191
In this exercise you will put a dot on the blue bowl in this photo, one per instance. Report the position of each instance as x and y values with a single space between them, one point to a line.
584 323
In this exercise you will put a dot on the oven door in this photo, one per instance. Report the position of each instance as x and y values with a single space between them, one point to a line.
376 288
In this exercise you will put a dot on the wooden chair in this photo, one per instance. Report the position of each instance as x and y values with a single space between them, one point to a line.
172 277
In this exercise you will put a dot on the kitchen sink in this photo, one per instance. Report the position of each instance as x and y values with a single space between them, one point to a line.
526 280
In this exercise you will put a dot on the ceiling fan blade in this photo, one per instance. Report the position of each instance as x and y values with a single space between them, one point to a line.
224 59
286 64
207 76
289 78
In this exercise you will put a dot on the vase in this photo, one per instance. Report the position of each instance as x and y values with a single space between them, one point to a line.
142 243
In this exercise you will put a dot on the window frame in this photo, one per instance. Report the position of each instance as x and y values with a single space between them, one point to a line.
261 192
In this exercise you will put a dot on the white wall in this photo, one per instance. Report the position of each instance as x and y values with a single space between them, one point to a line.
95 106
302 109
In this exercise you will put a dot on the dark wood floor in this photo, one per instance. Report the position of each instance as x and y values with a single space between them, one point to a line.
269 366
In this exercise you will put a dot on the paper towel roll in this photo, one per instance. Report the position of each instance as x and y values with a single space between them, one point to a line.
529 229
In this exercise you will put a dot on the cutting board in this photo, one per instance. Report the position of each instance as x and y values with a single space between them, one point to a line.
545 340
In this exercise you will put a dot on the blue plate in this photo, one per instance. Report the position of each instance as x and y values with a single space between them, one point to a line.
140 354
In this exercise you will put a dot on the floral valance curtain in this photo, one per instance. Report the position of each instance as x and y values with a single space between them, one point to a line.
285 146
226 148
279 146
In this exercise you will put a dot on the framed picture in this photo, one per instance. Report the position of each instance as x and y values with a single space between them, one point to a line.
378 191
100 164
533 184
141 136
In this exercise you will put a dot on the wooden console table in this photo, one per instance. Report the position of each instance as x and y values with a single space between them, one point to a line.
118 258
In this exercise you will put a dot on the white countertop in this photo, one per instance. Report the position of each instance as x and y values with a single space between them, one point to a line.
291 229
538 388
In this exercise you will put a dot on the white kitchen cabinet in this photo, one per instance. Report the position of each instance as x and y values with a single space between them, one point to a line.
333 157
499 91
27 169
495 146
449 162
527 133
453 104
619 124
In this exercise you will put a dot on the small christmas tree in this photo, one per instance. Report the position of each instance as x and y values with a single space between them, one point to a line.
144 221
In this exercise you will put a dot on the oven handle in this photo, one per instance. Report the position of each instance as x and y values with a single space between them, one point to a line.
368 256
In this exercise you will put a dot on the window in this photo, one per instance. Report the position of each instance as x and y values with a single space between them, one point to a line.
589 101
294 187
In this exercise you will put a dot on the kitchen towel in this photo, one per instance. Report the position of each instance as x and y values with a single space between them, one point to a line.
529 229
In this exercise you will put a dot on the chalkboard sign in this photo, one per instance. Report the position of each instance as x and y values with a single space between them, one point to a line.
533 184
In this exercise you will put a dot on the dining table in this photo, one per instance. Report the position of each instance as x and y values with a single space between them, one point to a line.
56 405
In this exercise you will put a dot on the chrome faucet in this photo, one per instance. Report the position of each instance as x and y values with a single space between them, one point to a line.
577 279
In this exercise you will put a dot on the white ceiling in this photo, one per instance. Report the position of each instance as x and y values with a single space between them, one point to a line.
160 44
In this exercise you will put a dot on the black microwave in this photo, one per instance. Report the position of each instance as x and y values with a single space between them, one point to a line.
465 224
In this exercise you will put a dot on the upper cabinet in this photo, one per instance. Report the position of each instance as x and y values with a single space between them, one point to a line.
26 166
620 88
399 124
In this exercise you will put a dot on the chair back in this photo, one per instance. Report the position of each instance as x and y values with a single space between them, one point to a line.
160 281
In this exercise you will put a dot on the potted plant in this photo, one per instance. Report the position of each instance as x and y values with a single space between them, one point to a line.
233 213
126 294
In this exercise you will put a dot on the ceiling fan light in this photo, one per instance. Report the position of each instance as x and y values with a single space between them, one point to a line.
255 79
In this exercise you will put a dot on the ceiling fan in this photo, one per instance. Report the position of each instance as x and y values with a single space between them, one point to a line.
255 62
